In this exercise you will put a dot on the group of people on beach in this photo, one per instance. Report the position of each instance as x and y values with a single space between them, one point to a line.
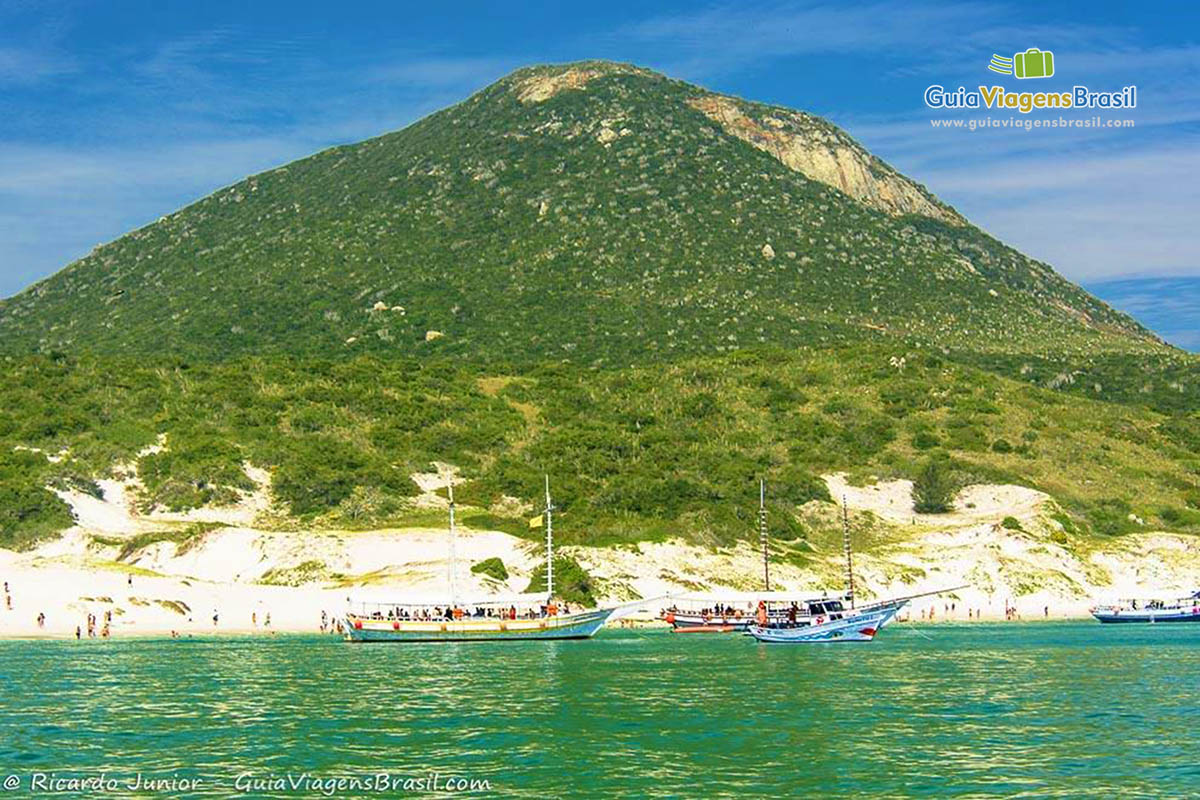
92 625
331 624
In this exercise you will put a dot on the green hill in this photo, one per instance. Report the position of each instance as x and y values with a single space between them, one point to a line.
652 292
594 212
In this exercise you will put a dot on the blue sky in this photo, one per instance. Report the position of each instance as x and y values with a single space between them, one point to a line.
112 114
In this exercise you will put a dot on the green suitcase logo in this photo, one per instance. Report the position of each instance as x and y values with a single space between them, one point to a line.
1033 63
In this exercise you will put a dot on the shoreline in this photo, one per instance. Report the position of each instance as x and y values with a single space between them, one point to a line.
246 635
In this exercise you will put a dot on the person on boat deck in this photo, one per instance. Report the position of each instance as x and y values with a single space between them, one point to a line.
792 610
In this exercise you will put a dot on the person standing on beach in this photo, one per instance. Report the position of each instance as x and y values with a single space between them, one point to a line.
215 616
41 619
78 633
254 619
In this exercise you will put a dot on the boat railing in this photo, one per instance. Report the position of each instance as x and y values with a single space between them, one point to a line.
432 612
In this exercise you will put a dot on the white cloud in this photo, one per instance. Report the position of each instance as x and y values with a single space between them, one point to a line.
441 72
1091 215
185 116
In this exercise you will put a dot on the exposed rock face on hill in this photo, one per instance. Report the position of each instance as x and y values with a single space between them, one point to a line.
597 212
823 153
541 85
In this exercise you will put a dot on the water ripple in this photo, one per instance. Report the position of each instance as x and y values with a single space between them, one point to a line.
1047 710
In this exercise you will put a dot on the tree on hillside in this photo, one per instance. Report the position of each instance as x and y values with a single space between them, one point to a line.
934 488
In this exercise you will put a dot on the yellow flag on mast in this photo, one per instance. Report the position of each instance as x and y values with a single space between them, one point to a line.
538 521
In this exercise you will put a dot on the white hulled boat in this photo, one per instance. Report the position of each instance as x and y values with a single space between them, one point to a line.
1182 609
828 620
527 616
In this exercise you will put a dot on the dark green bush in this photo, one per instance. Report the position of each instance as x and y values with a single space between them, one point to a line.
571 581
1110 516
492 568
925 440
934 487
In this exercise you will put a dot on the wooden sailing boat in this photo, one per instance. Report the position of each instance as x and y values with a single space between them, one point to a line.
732 612
528 616
831 620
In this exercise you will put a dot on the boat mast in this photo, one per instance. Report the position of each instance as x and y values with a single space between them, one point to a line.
549 542
762 532
849 558
453 568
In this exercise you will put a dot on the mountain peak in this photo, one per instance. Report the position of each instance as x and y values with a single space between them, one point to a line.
539 83
800 141
594 210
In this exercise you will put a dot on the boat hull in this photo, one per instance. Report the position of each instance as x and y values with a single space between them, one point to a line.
860 627
696 623
574 626
1146 618
707 629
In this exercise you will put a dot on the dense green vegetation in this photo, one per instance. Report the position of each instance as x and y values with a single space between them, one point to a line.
580 287
491 567
633 453
572 582
934 487
521 233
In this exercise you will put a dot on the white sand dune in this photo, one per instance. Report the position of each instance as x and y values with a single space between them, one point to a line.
242 573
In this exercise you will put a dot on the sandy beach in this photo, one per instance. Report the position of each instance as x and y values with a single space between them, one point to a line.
240 579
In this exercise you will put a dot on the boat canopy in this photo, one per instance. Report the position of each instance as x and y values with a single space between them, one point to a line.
441 601
735 598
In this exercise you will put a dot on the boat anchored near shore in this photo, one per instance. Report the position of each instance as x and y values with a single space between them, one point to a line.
527 616
1183 609
829 620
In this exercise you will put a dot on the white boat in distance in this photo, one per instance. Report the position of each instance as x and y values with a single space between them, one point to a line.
1183 609
529 616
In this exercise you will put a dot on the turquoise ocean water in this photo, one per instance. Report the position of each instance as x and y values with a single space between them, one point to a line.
1000 710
